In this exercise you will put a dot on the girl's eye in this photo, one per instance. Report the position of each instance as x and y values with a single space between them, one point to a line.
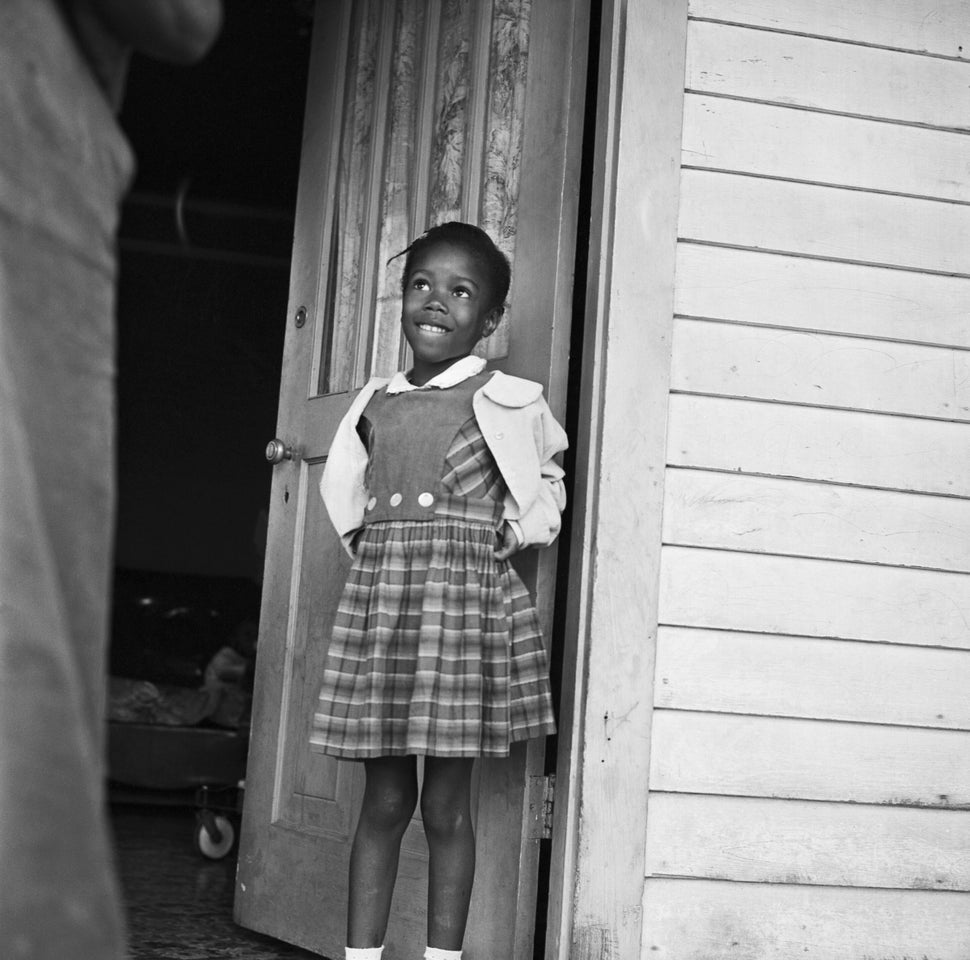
463 292
420 284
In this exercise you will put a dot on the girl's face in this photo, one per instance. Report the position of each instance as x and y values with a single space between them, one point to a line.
445 313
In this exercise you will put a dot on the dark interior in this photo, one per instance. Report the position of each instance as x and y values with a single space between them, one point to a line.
204 267
204 252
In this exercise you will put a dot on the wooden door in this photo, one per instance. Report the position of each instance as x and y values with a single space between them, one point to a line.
419 111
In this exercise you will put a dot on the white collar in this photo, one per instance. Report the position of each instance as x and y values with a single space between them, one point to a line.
457 373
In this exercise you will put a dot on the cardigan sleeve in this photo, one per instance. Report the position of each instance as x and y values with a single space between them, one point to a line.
343 484
539 524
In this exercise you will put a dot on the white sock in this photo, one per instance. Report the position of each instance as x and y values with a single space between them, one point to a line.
363 953
436 953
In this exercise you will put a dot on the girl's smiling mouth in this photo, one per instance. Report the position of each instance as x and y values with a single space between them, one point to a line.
429 327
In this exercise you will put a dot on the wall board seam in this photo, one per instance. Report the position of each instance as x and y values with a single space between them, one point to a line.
822 331
963 808
825 184
822 185
798 255
810 556
815 801
820 480
777 402
715 94
828 39
823 638
940 733
883 724
936 808
720 878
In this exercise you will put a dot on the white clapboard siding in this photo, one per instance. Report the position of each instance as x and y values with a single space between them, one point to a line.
776 141
732 511
810 748
778 841
815 598
812 677
829 222
940 27
799 367
733 755
902 453
764 288
827 75
717 920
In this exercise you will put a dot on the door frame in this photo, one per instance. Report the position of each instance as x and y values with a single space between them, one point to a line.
599 832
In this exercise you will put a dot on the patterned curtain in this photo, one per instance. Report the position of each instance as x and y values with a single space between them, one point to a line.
431 131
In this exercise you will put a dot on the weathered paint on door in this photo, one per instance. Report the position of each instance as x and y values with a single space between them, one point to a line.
418 111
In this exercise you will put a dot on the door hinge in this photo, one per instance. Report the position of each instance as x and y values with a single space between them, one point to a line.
542 798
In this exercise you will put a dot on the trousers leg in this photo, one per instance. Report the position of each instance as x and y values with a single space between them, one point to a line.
63 168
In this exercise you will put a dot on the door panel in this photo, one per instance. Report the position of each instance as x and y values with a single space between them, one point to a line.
415 115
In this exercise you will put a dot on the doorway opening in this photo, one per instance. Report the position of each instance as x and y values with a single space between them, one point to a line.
577 335
204 258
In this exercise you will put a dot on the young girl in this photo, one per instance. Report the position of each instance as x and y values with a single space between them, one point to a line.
434 479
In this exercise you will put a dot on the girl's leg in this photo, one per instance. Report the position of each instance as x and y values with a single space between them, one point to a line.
446 810
390 795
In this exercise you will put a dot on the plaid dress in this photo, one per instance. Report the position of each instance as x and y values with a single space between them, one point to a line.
436 647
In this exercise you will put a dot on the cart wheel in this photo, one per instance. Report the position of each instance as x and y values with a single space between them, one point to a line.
215 841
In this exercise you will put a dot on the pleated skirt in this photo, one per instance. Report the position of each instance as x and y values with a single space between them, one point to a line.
436 648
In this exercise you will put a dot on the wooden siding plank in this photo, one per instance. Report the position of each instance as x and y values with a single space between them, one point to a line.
818 221
818 369
770 515
812 678
813 598
809 760
827 75
900 453
939 27
717 920
777 141
764 288
791 841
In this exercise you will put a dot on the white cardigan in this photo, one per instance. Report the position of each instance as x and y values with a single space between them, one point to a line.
522 435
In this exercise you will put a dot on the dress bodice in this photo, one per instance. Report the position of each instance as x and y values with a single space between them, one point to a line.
410 436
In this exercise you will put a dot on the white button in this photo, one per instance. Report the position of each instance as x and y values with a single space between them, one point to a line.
396 498
425 499
372 503
499 435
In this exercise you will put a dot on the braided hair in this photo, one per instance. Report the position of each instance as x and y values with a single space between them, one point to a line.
481 247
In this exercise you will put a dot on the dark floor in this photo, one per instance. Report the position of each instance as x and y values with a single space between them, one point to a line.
179 903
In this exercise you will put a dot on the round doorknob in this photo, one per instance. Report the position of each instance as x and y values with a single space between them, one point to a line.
277 451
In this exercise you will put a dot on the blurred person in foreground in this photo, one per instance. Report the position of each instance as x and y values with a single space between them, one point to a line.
64 166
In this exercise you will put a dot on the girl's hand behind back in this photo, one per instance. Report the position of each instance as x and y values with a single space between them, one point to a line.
510 543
